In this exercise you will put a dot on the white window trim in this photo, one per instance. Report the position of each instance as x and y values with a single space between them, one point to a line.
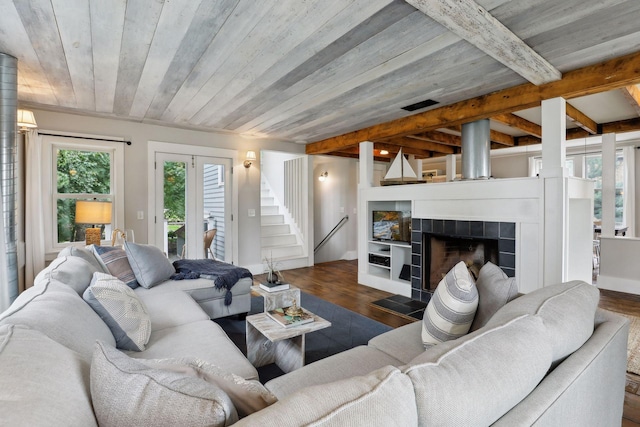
49 143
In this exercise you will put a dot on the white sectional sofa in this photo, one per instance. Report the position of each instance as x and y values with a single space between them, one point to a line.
548 358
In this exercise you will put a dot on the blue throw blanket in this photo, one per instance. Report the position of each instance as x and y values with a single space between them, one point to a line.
223 275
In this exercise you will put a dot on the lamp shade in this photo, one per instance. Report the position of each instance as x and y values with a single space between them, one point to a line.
26 119
93 212
251 155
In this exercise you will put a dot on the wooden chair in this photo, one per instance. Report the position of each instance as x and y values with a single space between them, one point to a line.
208 239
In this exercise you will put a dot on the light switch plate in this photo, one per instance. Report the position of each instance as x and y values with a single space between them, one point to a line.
252 212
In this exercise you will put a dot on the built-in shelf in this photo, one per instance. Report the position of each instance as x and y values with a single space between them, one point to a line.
386 259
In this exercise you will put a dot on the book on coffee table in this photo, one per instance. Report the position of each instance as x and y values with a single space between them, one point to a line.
289 321
274 287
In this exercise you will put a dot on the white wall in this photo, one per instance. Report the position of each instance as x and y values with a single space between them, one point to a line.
333 199
273 170
136 187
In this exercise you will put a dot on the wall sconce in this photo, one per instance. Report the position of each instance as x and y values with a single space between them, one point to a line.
93 212
323 176
383 152
251 157
26 120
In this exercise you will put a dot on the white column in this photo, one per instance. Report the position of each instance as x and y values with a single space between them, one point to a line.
608 184
451 167
554 248
366 164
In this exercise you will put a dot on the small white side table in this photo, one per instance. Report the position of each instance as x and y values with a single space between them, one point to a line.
268 342
278 299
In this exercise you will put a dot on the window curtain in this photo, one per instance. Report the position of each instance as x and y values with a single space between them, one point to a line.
629 156
34 212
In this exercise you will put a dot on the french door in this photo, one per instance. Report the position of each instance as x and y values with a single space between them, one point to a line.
192 196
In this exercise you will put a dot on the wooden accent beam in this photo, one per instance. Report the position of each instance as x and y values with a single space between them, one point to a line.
518 122
582 120
501 138
526 140
612 74
621 126
407 143
632 93
440 137
393 149
476 25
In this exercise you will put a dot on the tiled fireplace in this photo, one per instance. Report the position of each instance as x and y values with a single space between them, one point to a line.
495 241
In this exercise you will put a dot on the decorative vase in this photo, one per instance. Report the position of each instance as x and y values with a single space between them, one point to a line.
272 277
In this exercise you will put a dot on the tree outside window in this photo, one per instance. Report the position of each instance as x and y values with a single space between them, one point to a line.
593 165
80 175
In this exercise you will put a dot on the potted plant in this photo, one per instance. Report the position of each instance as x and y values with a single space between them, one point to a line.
273 274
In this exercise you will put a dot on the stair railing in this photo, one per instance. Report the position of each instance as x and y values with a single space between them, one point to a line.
335 229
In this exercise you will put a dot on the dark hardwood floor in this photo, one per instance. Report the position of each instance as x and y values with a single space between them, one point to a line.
337 282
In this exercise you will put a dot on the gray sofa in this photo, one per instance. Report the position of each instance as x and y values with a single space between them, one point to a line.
547 358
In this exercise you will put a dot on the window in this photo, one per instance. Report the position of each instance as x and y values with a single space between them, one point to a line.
593 170
78 169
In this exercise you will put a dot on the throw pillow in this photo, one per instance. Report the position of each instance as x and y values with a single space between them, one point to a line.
119 307
149 264
495 289
248 396
114 260
86 254
452 307
72 271
126 392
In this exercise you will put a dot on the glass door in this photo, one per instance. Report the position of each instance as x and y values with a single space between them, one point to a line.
193 206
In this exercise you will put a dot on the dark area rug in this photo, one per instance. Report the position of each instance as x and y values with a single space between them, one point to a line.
402 306
348 330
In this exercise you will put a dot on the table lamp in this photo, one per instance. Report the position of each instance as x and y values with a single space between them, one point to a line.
93 212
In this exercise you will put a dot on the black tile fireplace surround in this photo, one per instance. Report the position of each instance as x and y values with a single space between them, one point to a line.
503 232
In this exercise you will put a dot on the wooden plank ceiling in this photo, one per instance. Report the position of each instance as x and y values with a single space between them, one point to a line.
328 73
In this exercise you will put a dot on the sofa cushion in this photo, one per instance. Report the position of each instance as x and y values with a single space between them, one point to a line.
476 379
86 254
495 289
114 261
59 312
169 309
126 392
43 382
72 271
451 308
403 343
149 264
204 340
247 396
119 307
356 361
568 310
383 397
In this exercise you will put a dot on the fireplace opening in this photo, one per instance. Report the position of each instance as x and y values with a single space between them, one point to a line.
442 252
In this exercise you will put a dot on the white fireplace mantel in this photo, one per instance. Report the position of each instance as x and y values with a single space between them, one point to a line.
523 201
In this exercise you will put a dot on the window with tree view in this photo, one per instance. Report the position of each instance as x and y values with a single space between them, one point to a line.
593 164
80 175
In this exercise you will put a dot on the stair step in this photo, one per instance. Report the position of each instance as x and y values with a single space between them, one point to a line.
269 210
282 252
267 201
278 240
273 230
271 219
265 193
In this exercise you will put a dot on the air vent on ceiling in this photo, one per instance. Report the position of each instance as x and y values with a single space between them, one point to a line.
422 104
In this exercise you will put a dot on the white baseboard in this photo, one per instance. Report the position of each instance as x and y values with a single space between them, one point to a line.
350 255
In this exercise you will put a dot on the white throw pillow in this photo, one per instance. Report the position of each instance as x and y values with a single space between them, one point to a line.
119 307
452 307
149 264
126 392
495 289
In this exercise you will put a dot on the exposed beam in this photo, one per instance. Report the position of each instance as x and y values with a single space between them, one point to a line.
605 76
393 149
501 138
440 137
495 136
632 93
621 126
582 120
527 140
475 24
407 142
353 153
518 122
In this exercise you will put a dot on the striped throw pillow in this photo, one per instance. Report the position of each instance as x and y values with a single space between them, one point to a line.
452 307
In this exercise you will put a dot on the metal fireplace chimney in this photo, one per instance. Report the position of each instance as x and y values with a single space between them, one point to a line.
476 150
8 188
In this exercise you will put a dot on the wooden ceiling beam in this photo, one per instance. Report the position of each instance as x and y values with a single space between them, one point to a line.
526 140
518 122
476 25
501 138
393 149
632 93
621 126
612 74
407 142
439 137
582 120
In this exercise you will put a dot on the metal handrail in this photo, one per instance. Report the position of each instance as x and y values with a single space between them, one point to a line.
331 233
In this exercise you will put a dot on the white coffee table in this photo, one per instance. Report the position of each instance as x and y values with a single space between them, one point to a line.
268 342
278 299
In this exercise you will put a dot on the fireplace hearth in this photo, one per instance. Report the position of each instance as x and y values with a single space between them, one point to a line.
437 245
